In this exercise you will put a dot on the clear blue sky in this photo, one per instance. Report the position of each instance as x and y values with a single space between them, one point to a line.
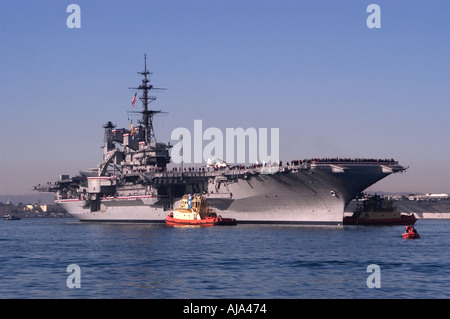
334 87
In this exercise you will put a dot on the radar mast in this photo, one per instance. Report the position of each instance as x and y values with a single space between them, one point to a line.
146 99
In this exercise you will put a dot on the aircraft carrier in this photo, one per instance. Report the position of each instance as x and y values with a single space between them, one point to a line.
134 184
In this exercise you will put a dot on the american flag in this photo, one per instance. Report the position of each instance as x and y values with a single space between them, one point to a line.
133 101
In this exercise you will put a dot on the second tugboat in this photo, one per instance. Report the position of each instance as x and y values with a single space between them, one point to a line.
193 210
377 210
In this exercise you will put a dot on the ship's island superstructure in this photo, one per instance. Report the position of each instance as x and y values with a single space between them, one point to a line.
134 184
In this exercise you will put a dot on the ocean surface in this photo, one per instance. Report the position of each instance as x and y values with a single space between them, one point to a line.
244 261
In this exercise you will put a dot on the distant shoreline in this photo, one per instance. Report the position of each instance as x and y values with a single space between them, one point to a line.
42 198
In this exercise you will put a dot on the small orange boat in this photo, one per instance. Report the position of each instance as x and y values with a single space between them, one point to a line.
194 211
410 233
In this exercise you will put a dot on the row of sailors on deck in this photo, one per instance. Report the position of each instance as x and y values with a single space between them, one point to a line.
345 159
291 163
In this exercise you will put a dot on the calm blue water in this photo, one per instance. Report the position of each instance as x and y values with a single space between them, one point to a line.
245 261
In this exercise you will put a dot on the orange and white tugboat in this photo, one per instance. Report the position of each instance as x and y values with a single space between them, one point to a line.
194 211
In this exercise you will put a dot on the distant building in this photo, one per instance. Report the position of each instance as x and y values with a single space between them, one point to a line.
36 208
428 196
437 196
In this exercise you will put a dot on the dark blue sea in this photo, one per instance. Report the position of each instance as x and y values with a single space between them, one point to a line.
244 261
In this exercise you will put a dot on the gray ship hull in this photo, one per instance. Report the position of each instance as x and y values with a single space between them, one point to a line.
307 196
317 194
138 209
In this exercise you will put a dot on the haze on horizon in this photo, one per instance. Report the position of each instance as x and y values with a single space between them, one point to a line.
313 69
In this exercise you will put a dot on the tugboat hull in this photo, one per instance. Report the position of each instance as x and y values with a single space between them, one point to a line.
403 220
201 222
